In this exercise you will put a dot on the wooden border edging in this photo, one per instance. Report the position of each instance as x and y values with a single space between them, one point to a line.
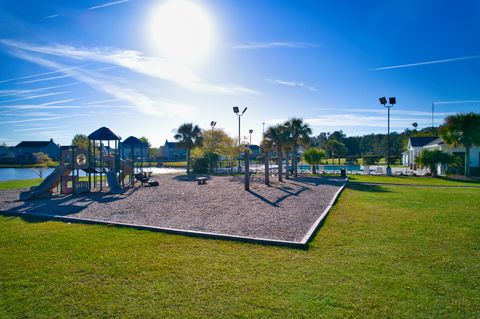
303 244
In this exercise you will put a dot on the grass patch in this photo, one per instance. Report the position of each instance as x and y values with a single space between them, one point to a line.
440 181
24 183
175 164
382 252
36 165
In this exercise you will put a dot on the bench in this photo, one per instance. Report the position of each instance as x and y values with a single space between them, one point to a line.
201 180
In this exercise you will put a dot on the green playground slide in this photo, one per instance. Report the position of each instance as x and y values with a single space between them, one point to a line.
47 184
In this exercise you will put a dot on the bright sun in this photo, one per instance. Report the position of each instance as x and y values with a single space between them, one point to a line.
181 30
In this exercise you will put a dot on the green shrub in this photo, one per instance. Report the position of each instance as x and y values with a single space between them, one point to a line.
371 159
200 165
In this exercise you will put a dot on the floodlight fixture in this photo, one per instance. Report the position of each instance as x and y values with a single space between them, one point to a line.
244 110
415 125
236 110
383 100
392 100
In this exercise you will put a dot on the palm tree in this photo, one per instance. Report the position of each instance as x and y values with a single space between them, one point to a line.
431 158
275 137
462 129
314 156
189 136
300 134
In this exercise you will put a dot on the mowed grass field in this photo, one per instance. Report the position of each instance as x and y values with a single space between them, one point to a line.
384 251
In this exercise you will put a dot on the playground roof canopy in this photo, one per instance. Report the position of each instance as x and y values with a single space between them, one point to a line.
132 140
104 134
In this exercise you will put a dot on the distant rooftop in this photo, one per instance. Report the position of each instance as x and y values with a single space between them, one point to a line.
34 143
420 141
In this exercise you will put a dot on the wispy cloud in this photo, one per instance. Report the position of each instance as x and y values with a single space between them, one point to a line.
292 84
457 102
46 79
102 101
27 92
42 74
52 16
412 113
34 97
34 120
108 4
275 44
58 102
41 128
136 62
471 57
110 86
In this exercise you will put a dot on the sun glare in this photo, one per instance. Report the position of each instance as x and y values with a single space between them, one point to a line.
181 30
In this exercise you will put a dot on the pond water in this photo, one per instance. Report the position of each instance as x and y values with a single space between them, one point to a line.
8 174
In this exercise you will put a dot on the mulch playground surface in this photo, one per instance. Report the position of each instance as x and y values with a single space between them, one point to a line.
284 211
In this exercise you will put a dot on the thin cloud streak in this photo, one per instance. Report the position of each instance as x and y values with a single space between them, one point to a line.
52 16
463 58
458 102
42 74
275 44
34 97
22 93
108 4
46 79
57 102
39 128
291 83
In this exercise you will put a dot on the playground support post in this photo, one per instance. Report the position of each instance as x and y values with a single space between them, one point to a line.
247 170
267 169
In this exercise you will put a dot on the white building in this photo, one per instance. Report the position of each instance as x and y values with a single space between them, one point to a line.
417 144
415 147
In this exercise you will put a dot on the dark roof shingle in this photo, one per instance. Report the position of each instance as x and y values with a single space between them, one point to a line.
420 141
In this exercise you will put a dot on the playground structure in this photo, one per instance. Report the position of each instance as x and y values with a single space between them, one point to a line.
102 165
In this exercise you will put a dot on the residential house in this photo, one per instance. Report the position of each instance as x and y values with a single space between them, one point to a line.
24 150
172 152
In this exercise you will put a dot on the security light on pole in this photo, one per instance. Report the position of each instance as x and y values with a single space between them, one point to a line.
392 101
250 132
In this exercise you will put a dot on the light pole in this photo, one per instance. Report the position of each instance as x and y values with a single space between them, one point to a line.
212 124
392 102
250 132
263 129
236 110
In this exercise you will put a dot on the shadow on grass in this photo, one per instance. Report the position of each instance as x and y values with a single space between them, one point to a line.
63 205
367 188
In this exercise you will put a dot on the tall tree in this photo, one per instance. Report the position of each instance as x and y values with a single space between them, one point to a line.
275 137
431 158
80 140
188 137
299 132
336 148
313 156
462 129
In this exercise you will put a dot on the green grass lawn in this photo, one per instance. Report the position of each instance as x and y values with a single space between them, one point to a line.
384 252
440 181
24 183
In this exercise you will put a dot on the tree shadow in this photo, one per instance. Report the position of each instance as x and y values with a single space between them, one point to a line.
281 198
317 181
64 205
367 188
189 178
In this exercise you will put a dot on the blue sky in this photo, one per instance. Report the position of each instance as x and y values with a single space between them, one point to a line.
71 67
